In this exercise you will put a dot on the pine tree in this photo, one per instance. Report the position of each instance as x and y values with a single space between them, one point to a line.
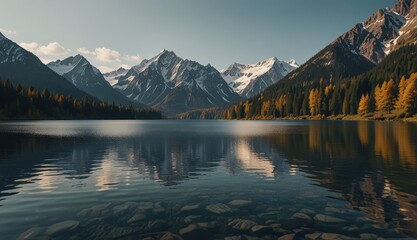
401 89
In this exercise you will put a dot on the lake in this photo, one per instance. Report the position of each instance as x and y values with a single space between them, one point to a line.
208 179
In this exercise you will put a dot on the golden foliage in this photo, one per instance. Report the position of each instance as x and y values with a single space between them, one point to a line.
363 104
385 96
314 100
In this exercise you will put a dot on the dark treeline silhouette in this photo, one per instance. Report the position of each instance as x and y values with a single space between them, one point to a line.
18 102
379 90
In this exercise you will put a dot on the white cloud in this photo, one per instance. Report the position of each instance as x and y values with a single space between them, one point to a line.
112 59
133 58
53 49
86 51
31 47
107 55
10 32
48 52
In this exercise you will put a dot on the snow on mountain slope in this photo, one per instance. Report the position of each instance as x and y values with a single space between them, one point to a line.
86 77
249 80
383 32
175 85
113 77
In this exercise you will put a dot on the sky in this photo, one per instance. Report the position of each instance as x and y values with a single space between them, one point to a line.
111 33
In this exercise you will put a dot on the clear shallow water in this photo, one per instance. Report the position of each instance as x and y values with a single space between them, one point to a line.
138 179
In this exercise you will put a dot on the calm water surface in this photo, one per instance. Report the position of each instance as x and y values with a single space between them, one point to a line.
211 179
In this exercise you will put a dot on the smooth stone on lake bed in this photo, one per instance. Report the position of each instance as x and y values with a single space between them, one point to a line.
302 216
31 233
312 236
260 230
192 218
170 236
219 208
287 237
189 208
321 218
192 231
242 224
240 203
62 226
137 218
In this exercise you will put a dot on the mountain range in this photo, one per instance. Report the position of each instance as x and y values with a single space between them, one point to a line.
89 79
338 67
175 85
358 50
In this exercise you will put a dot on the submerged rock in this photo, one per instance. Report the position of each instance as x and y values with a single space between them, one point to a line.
333 210
261 230
157 225
302 216
287 237
312 236
240 203
170 236
189 208
192 218
330 236
241 224
136 218
321 218
62 226
193 231
32 233
219 208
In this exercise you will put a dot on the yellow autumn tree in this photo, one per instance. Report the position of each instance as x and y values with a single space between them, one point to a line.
314 100
410 94
280 103
385 96
363 104
265 108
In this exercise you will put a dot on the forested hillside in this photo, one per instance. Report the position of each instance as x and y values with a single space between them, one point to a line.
29 103
384 88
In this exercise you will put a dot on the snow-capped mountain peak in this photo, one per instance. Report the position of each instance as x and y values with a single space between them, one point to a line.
88 78
175 85
293 63
64 66
248 80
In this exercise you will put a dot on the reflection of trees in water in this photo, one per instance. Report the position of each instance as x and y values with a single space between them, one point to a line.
24 157
373 163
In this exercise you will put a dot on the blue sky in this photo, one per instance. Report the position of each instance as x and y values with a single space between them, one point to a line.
122 33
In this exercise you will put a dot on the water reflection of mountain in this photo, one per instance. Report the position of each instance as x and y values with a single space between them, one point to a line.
373 164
